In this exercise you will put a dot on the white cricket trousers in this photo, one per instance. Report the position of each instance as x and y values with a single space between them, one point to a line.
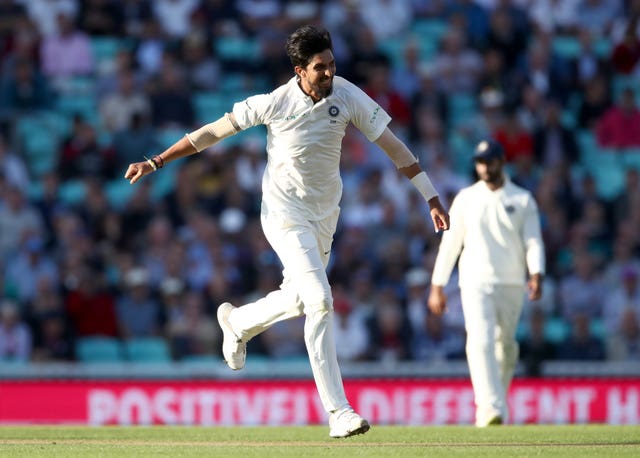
303 248
491 314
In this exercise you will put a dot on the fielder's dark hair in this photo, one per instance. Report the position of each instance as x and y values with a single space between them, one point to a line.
305 42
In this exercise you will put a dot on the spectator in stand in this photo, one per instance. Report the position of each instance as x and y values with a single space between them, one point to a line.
434 342
19 220
514 139
45 12
595 102
624 256
554 143
351 333
380 89
457 66
15 335
623 203
553 16
137 138
406 76
535 348
396 14
202 69
82 155
506 37
170 101
624 343
138 311
618 126
118 107
67 53
28 267
89 304
581 345
12 166
487 120
101 17
474 18
598 15
11 12
549 73
626 54
221 16
494 76
174 16
24 89
625 295
589 63
151 47
389 329
428 98
191 330
52 338
581 292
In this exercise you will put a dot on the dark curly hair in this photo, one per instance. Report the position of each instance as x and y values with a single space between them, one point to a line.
305 42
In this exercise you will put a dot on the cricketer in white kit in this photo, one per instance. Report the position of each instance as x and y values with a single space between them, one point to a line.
306 120
495 237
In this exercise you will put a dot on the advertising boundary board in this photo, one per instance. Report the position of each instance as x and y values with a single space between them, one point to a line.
295 402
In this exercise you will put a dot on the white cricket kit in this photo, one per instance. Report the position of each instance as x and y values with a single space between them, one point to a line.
300 206
497 237
304 142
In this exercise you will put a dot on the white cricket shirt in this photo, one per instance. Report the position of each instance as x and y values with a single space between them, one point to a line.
304 142
496 234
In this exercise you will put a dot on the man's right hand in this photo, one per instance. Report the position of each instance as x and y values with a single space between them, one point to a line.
437 300
137 170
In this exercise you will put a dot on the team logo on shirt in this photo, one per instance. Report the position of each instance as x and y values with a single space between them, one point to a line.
510 208
334 111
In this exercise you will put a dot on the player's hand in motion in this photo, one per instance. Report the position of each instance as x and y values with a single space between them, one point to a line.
439 215
437 301
137 170
535 287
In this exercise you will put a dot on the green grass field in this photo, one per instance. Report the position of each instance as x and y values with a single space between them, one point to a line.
313 441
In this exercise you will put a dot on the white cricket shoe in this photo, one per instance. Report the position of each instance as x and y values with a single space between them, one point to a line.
234 349
346 422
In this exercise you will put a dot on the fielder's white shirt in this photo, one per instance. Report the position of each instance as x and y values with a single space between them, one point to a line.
496 235
304 142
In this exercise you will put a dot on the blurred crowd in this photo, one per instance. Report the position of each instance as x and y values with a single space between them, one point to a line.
86 87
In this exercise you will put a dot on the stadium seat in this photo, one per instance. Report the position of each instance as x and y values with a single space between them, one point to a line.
236 48
147 350
84 105
72 192
631 158
119 192
430 30
556 330
98 350
566 46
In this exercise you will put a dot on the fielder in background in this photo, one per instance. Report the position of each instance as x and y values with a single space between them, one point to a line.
495 233
306 120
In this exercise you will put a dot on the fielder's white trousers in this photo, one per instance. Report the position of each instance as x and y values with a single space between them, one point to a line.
491 314
303 248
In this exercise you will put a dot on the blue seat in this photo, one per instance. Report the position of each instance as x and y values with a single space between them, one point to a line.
556 330
237 48
566 46
147 350
98 350
429 30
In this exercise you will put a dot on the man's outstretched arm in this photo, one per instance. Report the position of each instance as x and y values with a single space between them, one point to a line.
407 164
191 143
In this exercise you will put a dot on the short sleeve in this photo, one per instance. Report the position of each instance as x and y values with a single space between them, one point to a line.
252 111
367 115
